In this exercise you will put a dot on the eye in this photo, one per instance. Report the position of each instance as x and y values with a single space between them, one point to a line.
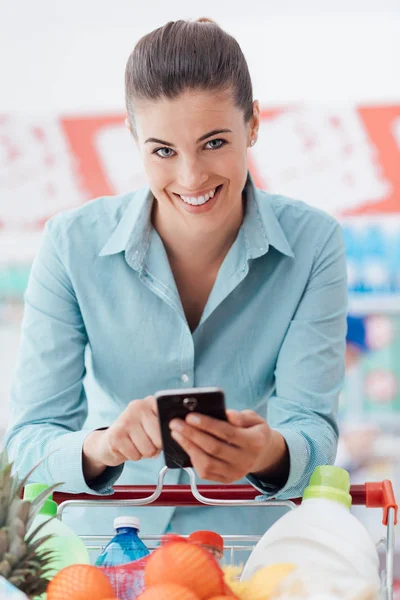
215 144
164 152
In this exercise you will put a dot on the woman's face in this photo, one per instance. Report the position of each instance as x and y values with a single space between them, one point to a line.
194 150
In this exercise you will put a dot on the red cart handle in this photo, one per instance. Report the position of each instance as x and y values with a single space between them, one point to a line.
372 495
381 494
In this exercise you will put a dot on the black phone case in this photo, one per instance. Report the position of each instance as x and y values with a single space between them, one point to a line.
171 407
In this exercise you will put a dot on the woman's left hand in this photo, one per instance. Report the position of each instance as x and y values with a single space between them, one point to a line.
227 451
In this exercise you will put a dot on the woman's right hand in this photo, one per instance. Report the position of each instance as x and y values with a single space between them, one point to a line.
133 436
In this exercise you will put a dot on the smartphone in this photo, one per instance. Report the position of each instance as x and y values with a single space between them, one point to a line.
177 404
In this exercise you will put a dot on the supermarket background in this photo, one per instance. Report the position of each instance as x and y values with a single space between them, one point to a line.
328 79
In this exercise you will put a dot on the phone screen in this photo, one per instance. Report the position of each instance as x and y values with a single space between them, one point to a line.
177 404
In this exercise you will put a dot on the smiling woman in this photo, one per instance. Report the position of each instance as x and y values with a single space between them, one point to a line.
193 117
199 279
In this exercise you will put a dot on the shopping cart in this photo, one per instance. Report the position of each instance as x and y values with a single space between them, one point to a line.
371 495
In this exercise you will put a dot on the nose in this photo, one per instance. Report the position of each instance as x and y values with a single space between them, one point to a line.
192 176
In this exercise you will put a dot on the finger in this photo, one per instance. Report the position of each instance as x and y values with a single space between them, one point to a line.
206 466
209 445
151 426
143 443
121 446
219 429
152 402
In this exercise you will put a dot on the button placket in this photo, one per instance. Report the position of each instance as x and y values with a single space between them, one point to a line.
187 357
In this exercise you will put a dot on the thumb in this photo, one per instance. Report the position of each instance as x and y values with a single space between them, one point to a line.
249 418
234 417
245 418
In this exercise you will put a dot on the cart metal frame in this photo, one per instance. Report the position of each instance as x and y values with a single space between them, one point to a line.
371 495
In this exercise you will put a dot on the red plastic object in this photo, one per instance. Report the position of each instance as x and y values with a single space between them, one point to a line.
381 494
373 495
171 495
207 538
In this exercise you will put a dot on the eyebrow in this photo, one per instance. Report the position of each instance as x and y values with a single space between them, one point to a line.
201 139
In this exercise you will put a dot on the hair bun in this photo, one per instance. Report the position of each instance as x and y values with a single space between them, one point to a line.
205 20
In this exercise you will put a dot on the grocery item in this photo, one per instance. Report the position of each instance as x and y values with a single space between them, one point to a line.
321 535
80 582
126 546
187 565
311 585
262 585
223 598
65 546
167 538
168 591
266 581
210 541
22 561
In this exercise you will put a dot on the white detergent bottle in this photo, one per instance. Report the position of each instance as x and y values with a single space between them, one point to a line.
321 536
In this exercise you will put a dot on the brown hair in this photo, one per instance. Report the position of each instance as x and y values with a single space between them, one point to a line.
187 55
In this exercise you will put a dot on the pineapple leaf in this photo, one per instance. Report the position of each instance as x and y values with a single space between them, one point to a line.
24 560
35 545
33 534
38 502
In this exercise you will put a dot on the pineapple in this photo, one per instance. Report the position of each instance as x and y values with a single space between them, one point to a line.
21 560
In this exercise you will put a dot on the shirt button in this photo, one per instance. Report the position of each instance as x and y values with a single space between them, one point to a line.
185 378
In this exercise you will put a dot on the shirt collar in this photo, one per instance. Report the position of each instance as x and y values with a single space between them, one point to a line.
261 227
133 230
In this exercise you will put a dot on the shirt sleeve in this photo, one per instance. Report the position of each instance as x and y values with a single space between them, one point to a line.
48 405
310 369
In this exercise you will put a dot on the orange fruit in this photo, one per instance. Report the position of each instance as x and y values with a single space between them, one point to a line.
172 537
223 598
168 591
80 582
187 565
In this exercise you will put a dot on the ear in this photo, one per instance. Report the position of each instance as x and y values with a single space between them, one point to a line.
254 123
128 126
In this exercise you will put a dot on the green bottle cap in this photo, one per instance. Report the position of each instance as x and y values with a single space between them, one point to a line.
332 483
32 491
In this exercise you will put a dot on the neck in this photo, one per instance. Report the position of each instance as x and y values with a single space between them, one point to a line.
198 249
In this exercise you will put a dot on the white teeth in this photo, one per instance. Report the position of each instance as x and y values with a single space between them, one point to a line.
200 200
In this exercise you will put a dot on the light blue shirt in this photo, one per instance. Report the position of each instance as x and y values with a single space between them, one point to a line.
272 336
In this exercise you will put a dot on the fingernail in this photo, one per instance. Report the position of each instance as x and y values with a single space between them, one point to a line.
193 419
176 425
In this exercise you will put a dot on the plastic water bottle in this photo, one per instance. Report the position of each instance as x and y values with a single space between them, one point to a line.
322 536
66 546
126 546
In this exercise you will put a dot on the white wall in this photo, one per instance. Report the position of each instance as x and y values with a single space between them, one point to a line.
70 56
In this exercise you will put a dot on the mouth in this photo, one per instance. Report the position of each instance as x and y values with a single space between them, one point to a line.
199 203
